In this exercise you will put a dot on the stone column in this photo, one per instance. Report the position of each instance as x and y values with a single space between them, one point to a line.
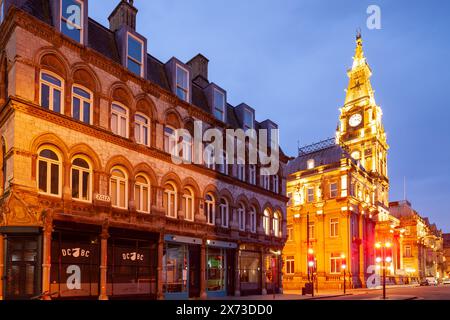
2 267
160 268
203 294
104 262
237 275
46 257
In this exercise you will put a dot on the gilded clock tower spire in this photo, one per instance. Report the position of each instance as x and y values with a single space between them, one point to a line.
360 129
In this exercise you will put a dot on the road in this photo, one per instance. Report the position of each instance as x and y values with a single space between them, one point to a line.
399 293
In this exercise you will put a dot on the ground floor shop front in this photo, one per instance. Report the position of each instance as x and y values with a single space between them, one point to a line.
80 261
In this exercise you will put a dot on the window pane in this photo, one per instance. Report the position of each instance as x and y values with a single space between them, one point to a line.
69 8
76 108
123 127
122 194
114 192
80 163
54 179
57 101
181 94
119 109
114 122
145 199
137 195
134 49
85 189
145 136
70 30
137 133
42 176
87 113
51 79
218 114
182 80
134 67
45 96
141 119
75 184
48 154
82 93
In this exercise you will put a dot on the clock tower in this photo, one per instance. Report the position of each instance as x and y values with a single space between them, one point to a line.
360 129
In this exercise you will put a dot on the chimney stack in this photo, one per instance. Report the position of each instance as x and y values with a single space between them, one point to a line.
124 14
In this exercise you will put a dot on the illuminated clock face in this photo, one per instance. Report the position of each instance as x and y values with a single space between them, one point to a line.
355 120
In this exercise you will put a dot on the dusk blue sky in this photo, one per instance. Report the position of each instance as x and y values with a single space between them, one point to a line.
288 60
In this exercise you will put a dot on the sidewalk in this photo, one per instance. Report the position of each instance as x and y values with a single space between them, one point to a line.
288 296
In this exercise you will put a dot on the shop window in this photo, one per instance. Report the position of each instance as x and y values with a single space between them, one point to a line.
142 191
215 269
52 92
188 204
170 200
75 264
49 173
119 120
119 188
175 268
81 180
210 205
131 267
250 270
142 129
82 105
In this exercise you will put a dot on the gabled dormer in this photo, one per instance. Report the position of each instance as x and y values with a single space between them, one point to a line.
70 17
180 79
269 125
246 115
132 46
217 101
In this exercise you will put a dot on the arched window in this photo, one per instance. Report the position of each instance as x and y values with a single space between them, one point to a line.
252 174
170 200
188 204
81 180
82 105
266 222
142 193
52 92
170 140
119 120
252 217
49 173
119 188
276 224
224 212
241 217
142 129
210 205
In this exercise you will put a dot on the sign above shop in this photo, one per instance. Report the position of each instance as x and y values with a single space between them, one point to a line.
102 197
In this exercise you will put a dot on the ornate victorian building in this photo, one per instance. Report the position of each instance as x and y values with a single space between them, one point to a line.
339 194
92 205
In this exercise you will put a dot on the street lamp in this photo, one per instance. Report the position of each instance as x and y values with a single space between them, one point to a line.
383 256
344 267
311 264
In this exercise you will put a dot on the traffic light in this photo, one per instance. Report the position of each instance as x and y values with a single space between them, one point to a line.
311 258
378 252
343 262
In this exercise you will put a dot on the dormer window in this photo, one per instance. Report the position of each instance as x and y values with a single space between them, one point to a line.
248 120
310 164
219 105
72 19
182 83
135 55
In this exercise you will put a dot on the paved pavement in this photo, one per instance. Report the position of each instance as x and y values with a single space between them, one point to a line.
410 292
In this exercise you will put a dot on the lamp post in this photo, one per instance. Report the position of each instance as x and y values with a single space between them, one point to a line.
344 267
383 256
311 264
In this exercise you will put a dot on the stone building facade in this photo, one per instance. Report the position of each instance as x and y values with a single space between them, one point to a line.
92 204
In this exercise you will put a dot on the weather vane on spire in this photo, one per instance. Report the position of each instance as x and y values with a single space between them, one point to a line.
358 33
